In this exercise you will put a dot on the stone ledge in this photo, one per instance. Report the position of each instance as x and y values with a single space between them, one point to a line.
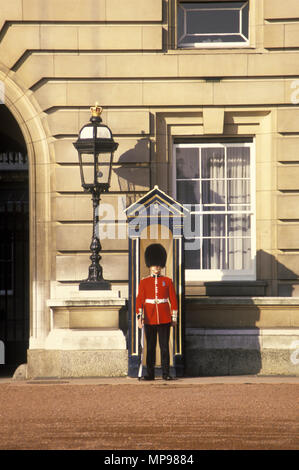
247 338
243 331
226 288
219 362
89 339
240 312
87 298
213 352
272 301
87 311
62 364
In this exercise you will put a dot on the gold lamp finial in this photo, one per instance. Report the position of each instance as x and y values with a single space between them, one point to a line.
96 110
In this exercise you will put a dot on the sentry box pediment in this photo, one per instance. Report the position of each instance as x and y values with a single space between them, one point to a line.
156 208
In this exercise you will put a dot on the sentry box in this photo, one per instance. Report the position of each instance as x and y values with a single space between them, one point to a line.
156 218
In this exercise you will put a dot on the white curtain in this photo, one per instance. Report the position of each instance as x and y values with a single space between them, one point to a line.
213 199
226 187
238 194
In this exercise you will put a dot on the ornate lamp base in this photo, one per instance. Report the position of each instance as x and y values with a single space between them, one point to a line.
95 285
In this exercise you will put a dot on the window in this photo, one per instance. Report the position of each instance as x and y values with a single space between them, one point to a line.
215 181
212 24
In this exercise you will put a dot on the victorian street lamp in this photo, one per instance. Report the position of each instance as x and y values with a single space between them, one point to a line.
95 147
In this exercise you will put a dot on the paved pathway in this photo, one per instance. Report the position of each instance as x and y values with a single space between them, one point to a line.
204 413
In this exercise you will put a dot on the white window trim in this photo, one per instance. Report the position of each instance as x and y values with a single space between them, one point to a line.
218 274
217 45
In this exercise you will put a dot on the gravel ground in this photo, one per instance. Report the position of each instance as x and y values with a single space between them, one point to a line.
132 415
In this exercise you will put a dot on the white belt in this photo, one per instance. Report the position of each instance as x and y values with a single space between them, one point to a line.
156 301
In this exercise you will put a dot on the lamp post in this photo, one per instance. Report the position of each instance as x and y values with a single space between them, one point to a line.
95 147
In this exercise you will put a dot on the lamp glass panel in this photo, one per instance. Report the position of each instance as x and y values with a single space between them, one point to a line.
88 168
103 132
103 168
86 133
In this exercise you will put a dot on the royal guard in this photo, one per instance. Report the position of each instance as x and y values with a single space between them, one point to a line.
156 306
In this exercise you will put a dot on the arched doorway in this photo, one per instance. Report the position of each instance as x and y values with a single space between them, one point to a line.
14 243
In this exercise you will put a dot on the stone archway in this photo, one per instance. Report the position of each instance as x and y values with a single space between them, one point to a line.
29 118
14 242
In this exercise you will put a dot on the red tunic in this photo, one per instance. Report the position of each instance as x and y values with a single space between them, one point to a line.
153 288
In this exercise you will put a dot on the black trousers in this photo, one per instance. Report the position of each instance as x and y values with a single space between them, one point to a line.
151 332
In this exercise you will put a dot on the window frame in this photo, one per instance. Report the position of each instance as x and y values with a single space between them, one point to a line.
207 45
220 274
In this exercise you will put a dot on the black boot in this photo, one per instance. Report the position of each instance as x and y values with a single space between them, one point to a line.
148 377
167 377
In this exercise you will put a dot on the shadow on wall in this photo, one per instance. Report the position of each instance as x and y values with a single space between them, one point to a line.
221 337
133 172
270 273
223 328
271 269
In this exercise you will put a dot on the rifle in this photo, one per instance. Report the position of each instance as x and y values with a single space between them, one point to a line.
141 353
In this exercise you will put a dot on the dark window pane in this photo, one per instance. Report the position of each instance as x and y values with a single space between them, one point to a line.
188 192
238 192
214 254
213 22
239 253
192 256
239 225
213 194
238 162
187 163
214 225
203 22
212 162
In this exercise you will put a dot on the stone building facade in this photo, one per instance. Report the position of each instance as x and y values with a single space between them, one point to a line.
223 98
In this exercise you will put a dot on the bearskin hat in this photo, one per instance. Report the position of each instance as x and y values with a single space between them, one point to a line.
155 255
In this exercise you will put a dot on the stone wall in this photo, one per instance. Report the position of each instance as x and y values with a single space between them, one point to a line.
57 61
